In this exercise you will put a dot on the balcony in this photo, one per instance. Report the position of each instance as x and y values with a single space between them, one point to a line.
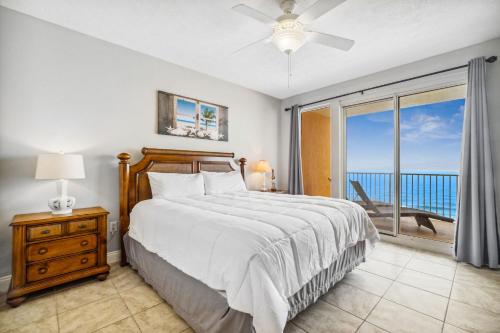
424 196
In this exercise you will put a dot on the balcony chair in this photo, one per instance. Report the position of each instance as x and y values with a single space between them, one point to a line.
422 217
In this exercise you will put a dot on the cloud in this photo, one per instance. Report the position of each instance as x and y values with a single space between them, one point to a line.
423 127
458 116
381 117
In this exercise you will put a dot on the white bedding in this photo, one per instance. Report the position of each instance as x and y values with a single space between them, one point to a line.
259 248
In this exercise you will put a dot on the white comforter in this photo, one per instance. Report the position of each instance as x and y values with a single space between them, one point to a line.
259 248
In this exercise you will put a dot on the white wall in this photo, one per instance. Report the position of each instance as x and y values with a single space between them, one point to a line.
61 90
452 59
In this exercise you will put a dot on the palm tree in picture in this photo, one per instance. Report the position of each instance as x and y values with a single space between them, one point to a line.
208 115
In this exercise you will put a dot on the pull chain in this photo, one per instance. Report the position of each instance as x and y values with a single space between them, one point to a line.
289 68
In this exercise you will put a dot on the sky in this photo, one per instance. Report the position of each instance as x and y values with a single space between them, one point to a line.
430 139
186 107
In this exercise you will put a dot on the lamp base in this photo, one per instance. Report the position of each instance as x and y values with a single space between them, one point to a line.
62 205
62 212
263 187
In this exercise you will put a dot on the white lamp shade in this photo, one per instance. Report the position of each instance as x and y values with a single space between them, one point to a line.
60 166
263 166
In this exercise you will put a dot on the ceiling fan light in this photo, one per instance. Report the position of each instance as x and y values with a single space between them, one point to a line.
289 35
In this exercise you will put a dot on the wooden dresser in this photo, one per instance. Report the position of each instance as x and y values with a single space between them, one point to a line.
48 250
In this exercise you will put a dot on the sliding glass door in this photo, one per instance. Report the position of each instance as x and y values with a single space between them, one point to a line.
430 144
402 158
369 164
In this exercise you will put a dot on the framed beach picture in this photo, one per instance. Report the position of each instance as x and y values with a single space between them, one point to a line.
192 118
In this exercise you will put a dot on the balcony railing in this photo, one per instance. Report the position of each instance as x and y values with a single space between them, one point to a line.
431 192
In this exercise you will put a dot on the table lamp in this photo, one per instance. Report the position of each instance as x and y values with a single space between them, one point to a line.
60 167
263 167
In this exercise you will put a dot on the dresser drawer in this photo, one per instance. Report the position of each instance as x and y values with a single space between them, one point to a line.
44 231
55 248
55 267
82 226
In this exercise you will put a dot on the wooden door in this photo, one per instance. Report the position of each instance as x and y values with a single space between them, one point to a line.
316 150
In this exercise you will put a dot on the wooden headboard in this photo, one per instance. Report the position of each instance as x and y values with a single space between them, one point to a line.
134 182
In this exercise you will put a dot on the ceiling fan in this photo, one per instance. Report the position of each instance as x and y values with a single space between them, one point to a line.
290 31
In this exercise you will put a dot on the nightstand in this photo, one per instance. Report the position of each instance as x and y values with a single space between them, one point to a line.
49 250
277 191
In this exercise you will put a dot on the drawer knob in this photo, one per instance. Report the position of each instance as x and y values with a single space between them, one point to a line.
42 250
42 270
84 243
45 232
84 260
82 226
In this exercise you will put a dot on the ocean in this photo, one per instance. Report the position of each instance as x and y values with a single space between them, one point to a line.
426 190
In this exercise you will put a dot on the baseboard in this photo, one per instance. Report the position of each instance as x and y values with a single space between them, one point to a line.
4 283
113 257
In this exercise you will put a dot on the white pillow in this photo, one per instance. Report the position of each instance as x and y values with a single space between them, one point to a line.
164 185
223 182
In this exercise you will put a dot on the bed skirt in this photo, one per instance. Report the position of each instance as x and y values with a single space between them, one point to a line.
206 310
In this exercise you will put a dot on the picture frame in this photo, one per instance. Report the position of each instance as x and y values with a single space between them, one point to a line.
192 118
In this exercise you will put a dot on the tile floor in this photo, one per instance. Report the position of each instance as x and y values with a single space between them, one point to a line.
397 290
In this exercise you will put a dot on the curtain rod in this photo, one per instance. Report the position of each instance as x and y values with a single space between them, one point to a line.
362 91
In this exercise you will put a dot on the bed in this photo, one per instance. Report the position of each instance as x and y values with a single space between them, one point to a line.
235 262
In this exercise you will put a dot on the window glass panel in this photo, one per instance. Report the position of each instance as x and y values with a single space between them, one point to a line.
430 145
208 116
185 113
370 160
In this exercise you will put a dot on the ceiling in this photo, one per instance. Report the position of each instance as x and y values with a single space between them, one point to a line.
202 35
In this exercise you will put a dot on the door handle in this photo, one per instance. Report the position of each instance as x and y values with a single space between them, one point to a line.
329 179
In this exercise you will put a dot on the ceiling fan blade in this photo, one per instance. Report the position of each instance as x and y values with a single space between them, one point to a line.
253 13
263 40
319 8
336 42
